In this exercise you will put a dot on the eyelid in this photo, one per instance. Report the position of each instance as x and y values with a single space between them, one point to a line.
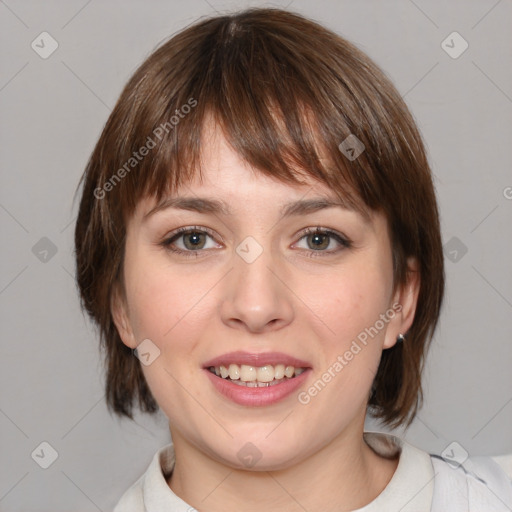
177 233
323 231
340 238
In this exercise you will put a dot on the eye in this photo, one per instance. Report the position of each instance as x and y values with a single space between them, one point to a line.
318 239
193 240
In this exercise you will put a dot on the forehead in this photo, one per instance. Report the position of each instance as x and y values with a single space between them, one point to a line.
226 183
222 169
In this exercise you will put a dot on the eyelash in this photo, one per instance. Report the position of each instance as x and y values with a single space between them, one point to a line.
342 240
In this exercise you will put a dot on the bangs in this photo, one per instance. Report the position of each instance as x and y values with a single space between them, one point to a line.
280 107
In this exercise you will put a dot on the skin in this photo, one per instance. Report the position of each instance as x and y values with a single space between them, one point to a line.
193 309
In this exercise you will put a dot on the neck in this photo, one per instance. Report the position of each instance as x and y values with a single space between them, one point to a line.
344 475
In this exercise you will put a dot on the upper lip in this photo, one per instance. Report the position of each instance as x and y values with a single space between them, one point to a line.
256 359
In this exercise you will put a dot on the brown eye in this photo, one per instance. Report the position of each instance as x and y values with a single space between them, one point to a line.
319 239
189 241
193 240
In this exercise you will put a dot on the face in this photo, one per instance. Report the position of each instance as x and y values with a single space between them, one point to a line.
315 285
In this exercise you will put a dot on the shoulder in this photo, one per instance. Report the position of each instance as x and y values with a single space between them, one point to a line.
424 481
151 488
132 500
477 483
505 462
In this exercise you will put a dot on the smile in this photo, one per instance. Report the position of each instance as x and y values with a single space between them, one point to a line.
254 376
256 393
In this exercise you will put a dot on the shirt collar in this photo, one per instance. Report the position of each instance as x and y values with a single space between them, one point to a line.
410 489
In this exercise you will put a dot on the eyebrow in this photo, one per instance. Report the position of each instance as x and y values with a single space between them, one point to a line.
216 206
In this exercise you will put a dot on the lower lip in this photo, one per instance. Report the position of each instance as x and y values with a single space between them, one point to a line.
255 397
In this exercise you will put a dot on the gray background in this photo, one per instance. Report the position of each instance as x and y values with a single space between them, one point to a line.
52 112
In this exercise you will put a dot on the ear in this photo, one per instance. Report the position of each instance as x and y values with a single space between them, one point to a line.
404 304
119 311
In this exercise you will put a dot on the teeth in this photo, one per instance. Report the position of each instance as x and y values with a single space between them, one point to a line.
289 371
248 373
257 384
234 371
256 376
279 371
265 374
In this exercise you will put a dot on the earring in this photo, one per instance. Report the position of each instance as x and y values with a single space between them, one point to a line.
400 338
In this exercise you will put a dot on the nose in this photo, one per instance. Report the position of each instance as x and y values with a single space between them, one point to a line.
256 297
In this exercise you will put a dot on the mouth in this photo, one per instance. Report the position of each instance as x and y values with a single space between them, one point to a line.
256 379
256 376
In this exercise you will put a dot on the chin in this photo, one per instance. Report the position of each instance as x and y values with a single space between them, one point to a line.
255 450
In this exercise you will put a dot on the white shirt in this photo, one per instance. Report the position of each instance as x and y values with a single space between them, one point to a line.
421 483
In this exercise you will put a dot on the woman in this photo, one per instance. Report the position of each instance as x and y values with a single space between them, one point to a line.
258 240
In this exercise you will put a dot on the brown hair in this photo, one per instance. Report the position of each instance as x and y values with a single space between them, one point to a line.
286 92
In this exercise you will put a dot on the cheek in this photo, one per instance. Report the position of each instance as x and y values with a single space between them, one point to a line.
355 302
158 305
169 307
352 312
155 298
